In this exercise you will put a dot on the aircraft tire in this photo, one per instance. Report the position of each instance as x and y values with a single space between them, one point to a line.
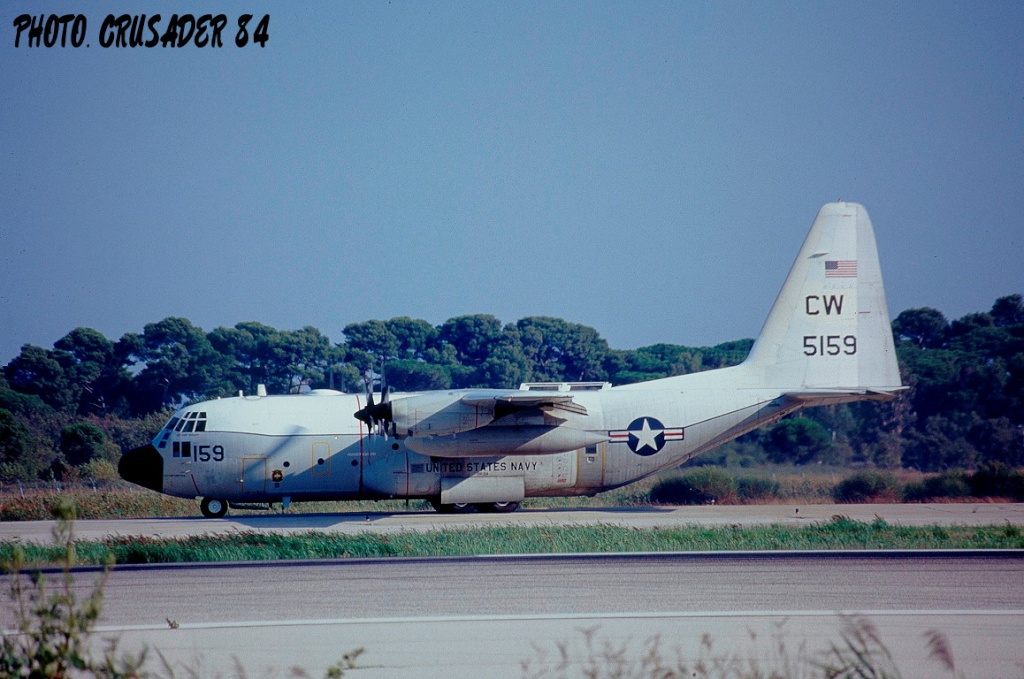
213 508
460 508
498 507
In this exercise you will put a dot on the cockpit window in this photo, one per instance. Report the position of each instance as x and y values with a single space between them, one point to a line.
192 421
167 432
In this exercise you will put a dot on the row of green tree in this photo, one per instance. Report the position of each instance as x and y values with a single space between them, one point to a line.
89 397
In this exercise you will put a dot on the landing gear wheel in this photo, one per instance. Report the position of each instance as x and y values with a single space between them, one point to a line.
498 507
458 508
212 508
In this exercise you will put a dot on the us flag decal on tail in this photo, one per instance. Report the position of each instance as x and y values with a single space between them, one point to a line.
840 268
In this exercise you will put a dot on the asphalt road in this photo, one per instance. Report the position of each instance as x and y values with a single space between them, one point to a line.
483 616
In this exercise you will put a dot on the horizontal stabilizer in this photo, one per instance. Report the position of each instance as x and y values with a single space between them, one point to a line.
833 396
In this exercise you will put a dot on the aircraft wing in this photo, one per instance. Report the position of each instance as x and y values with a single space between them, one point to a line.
484 423
514 401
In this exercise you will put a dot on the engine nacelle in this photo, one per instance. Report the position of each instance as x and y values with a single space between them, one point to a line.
437 414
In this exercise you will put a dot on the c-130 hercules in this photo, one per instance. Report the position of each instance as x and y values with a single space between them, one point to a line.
827 340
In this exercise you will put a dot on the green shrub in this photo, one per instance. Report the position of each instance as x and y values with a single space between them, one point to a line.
750 488
100 470
798 440
83 442
678 490
997 480
952 484
867 486
705 485
633 495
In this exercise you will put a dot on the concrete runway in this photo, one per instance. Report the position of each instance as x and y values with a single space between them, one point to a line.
634 517
484 616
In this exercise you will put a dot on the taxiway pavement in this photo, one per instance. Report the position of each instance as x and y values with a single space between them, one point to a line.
972 514
485 616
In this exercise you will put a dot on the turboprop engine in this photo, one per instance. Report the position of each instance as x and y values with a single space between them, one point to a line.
437 414
482 423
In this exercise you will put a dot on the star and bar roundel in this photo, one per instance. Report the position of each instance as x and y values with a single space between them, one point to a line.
646 435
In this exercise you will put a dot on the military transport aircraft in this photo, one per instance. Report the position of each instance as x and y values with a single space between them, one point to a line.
827 340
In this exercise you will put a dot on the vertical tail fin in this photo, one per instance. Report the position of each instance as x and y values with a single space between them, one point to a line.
829 328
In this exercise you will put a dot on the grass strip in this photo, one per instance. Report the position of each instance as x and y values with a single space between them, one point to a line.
839 534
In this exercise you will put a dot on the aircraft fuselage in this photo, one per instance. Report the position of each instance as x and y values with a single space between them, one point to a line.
827 340
273 449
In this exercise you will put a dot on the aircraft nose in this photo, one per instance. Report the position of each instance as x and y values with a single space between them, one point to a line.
143 466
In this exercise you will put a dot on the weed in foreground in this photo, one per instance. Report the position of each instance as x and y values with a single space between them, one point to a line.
859 653
52 638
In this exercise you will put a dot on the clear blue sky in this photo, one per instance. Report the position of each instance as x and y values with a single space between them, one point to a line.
648 169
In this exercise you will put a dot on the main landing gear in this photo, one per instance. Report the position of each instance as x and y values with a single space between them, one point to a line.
212 508
484 507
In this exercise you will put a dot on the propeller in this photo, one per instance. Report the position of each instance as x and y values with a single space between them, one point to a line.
376 413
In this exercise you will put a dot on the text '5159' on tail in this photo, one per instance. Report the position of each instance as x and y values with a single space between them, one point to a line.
829 329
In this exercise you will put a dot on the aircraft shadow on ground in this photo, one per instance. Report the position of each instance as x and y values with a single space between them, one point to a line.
329 520
313 521
601 510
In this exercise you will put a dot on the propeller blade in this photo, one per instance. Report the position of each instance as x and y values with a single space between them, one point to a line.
368 380
384 390
374 413
377 415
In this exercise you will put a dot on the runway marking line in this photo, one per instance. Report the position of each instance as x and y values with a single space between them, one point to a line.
242 624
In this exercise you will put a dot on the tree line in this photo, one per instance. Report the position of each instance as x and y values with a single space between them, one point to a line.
73 408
